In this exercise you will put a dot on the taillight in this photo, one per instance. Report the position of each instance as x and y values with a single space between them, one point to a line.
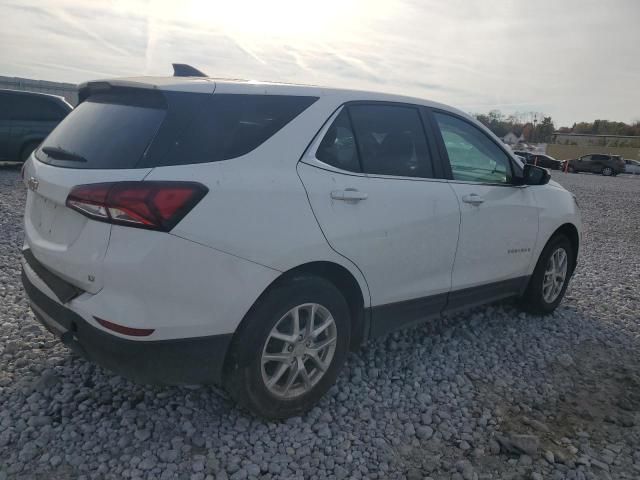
152 205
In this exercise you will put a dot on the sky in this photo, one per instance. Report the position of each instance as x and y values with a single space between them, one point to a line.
576 60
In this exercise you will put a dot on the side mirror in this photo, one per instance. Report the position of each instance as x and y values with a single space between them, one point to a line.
534 175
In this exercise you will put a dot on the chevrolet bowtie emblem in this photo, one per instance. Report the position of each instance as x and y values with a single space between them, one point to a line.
33 183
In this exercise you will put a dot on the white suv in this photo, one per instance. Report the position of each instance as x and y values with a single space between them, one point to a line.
193 230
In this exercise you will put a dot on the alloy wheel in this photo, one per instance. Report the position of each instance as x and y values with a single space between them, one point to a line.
555 275
298 350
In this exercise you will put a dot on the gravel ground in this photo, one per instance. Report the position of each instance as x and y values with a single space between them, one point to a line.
489 394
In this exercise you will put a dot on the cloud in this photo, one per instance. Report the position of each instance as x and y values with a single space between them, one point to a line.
575 60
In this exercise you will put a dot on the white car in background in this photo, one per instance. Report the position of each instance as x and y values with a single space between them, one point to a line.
631 166
194 230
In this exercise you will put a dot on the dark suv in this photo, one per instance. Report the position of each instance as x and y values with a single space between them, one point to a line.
26 118
540 159
597 163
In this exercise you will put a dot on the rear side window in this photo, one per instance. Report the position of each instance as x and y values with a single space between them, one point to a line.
391 140
232 125
104 132
34 108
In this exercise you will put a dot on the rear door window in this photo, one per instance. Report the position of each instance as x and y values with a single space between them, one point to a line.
391 140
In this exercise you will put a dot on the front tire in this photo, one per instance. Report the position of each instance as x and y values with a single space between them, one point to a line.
607 171
551 276
290 348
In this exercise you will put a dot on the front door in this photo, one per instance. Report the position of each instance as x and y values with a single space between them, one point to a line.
370 182
499 220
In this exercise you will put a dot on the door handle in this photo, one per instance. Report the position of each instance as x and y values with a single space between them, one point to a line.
473 199
349 195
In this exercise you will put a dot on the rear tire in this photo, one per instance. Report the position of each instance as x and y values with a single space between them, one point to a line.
544 294
257 382
607 171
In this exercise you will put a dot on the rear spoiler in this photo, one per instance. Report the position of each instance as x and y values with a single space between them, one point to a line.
129 93
88 88
199 82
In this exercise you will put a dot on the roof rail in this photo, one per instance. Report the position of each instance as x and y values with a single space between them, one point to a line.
184 70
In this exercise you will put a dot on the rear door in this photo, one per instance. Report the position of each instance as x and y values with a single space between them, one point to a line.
499 224
102 140
373 185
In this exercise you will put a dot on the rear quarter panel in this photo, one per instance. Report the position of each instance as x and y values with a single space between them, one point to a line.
257 207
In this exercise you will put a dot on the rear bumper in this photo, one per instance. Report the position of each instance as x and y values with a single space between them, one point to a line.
169 362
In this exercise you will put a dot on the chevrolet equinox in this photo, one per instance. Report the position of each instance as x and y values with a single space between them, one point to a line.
187 230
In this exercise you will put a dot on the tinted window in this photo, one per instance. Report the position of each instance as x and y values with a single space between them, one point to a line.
473 156
106 134
391 140
29 107
5 106
586 158
338 147
231 125
136 128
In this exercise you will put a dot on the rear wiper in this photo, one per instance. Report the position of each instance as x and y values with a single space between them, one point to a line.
62 154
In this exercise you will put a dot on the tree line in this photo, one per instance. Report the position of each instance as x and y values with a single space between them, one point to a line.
536 127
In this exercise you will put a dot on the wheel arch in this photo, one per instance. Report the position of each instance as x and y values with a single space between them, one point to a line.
570 231
343 280
347 284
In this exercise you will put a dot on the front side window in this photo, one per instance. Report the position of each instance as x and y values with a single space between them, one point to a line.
338 147
473 156
391 140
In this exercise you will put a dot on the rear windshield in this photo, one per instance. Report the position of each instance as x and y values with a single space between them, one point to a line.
141 129
104 132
